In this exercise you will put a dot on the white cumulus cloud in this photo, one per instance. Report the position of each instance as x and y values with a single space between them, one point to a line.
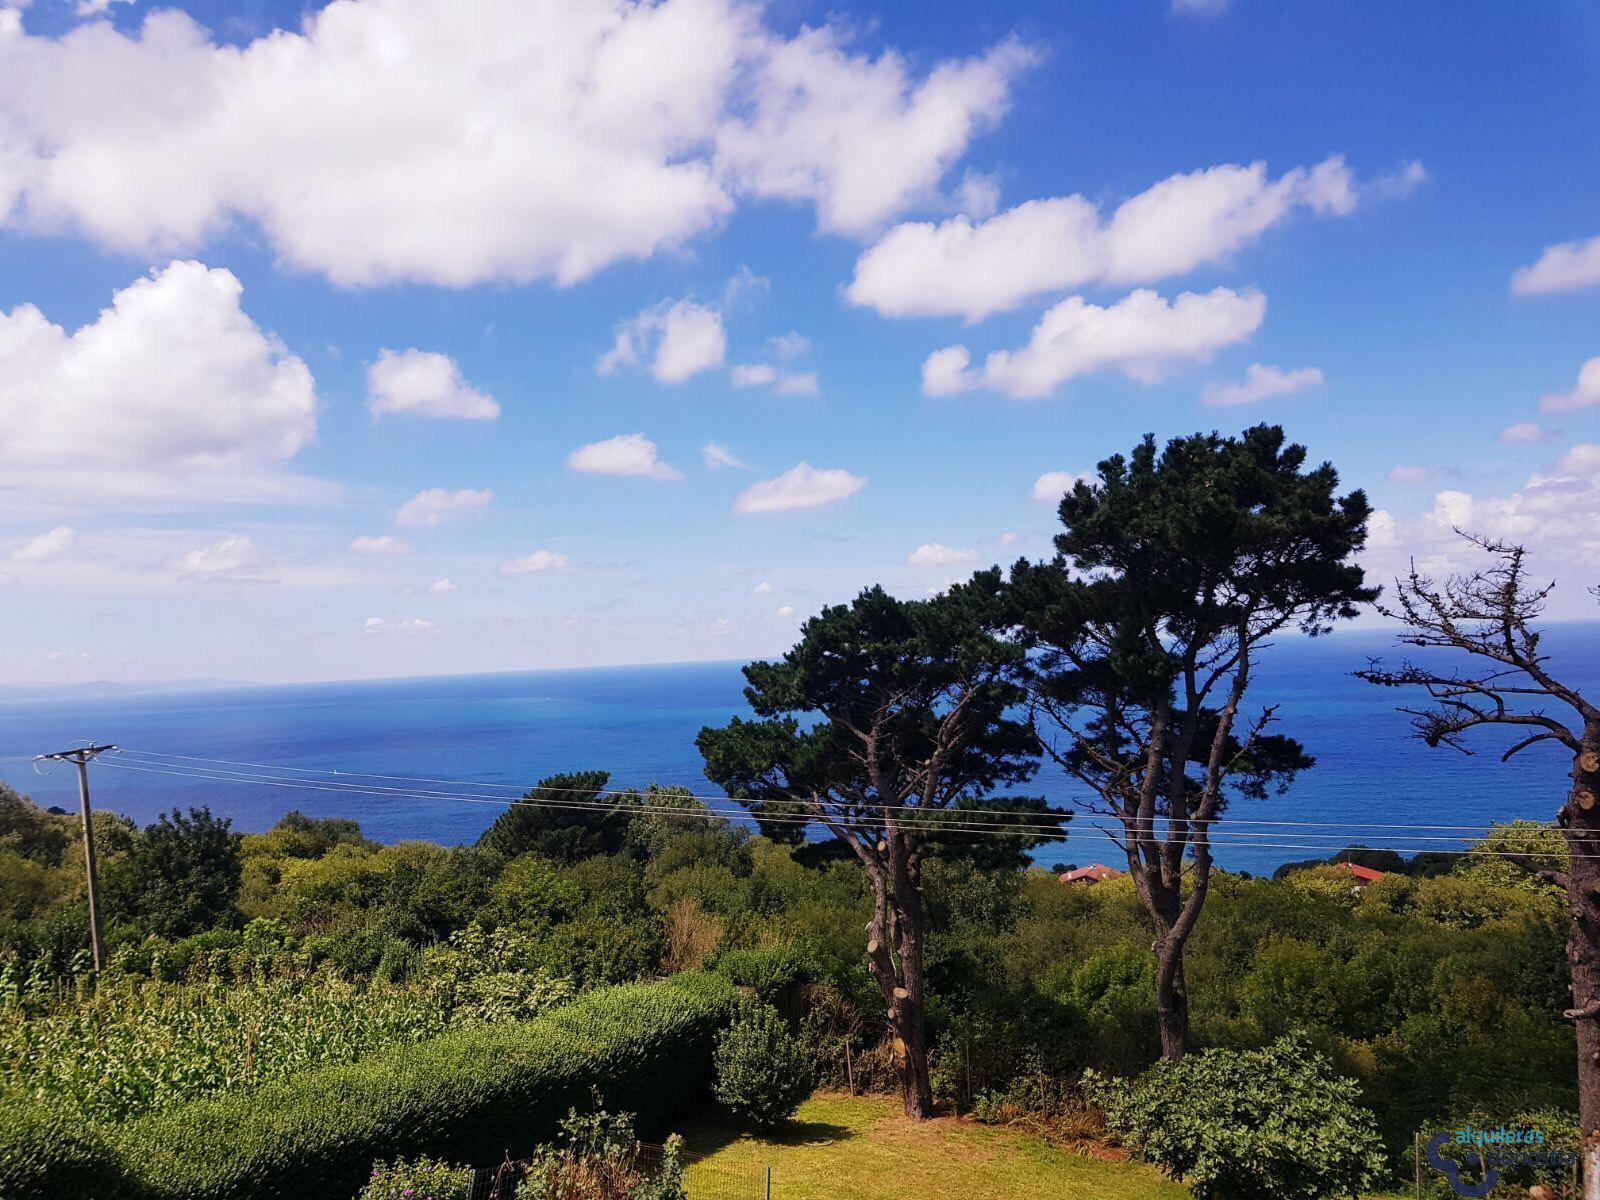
433 506
1528 433
625 454
681 339
390 140
967 269
1143 336
937 554
539 560
1584 395
423 383
1052 485
1260 382
226 556
1567 267
170 391
46 546
378 626
802 486
441 587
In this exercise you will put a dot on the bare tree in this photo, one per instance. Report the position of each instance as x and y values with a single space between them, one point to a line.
1506 680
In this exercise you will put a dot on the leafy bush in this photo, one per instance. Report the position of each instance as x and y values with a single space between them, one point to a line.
48 1154
465 1096
420 1179
1268 1124
763 1071
597 1157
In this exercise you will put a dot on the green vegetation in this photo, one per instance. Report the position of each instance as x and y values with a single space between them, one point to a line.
763 1071
1268 1124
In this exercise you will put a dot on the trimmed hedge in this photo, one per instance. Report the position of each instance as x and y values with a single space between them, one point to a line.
49 1155
468 1096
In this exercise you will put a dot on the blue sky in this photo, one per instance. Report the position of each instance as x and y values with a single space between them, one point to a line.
307 312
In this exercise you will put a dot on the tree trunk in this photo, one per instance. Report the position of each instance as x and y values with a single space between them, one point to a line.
1582 827
1172 998
894 953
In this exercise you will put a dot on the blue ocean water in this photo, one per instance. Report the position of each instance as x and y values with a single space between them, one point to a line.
639 723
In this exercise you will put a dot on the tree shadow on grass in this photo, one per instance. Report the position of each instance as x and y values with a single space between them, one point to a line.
709 1135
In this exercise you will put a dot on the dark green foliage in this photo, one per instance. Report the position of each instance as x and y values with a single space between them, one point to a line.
882 663
182 875
464 1097
46 1154
763 1070
595 823
1269 1124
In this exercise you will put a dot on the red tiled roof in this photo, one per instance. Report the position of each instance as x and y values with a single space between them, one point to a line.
1365 874
1093 873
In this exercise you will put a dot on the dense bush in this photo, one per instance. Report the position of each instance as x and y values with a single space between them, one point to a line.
420 1179
763 1070
49 1154
465 1097
1268 1124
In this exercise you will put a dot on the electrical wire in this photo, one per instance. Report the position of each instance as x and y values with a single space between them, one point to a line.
1043 832
1477 830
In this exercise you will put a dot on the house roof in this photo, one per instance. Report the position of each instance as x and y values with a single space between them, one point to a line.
1092 873
1365 874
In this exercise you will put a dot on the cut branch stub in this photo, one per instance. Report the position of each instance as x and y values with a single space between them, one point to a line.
1583 798
901 994
1589 762
899 1048
874 946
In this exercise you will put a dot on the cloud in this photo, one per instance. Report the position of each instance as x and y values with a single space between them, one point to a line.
1142 336
378 626
681 340
967 269
764 588
1052 485
440 587
715 457
380 544
1260 383
422 383
862 140
803 486
171 391
784 383
46 546
785 610
539 560
937 554
1567 267
1584 395
227 556
1583 459
393 140
430 508
787 347
625 454
1528 433
1410 475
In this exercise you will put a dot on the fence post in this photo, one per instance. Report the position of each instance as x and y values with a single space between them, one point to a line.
766 1191
1416 1157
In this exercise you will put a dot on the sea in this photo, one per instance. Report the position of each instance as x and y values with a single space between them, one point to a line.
401 755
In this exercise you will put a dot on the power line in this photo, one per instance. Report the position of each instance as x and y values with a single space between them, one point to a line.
933 820
1478 829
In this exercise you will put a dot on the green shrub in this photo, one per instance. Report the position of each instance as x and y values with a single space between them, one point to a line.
48 1154
597 1158
763 1071
466 1096
1268 1124
420 1179
767 970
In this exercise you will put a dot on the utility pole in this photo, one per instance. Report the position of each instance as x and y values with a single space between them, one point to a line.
82 757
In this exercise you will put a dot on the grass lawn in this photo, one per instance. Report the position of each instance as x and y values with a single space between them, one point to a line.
860 1148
